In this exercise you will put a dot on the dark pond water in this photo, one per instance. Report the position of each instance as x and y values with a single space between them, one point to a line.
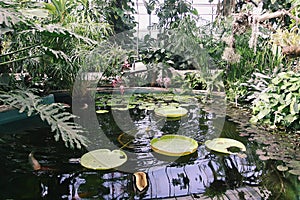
203 172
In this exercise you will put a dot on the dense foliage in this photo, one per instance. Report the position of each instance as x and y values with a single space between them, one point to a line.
44 45
279 104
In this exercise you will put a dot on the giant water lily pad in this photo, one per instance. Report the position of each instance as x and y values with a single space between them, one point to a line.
101 111
224 145
171 112
103 159
174 145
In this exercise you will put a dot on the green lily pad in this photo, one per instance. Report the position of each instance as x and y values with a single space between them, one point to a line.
184 99
103 159
120 108
295 171
98 103
224 145
174 104
147 106
171 112
282 168
101 111
174 145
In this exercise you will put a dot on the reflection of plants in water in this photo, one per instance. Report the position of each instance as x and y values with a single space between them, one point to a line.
182 181
232 172
282 148
282 185
232 175
216 189
278 145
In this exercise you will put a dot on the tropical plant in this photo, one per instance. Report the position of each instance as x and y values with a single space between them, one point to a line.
171 12
58 9
287 43
178 48
54 114
279 105
118 13
42 51
195 80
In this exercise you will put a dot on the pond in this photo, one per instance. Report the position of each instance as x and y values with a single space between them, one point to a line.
131 129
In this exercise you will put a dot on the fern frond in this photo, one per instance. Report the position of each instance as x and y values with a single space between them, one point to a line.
54 114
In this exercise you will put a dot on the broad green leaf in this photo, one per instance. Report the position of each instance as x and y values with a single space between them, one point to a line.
280 108
253 120
288 96
294 107
37 12
276 80
294 79
290 118
260 75
264 96
263 113
294 87
281 99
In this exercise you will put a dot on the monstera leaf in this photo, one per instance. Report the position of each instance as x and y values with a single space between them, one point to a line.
174 145
225 145
103 159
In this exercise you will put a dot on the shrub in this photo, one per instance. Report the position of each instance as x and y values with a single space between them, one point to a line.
279 105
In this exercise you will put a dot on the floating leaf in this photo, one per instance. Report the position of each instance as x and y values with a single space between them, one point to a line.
101 111
147 106
103 159
174 145
224 145
171 112
282 168
295 171
120 108
262 157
